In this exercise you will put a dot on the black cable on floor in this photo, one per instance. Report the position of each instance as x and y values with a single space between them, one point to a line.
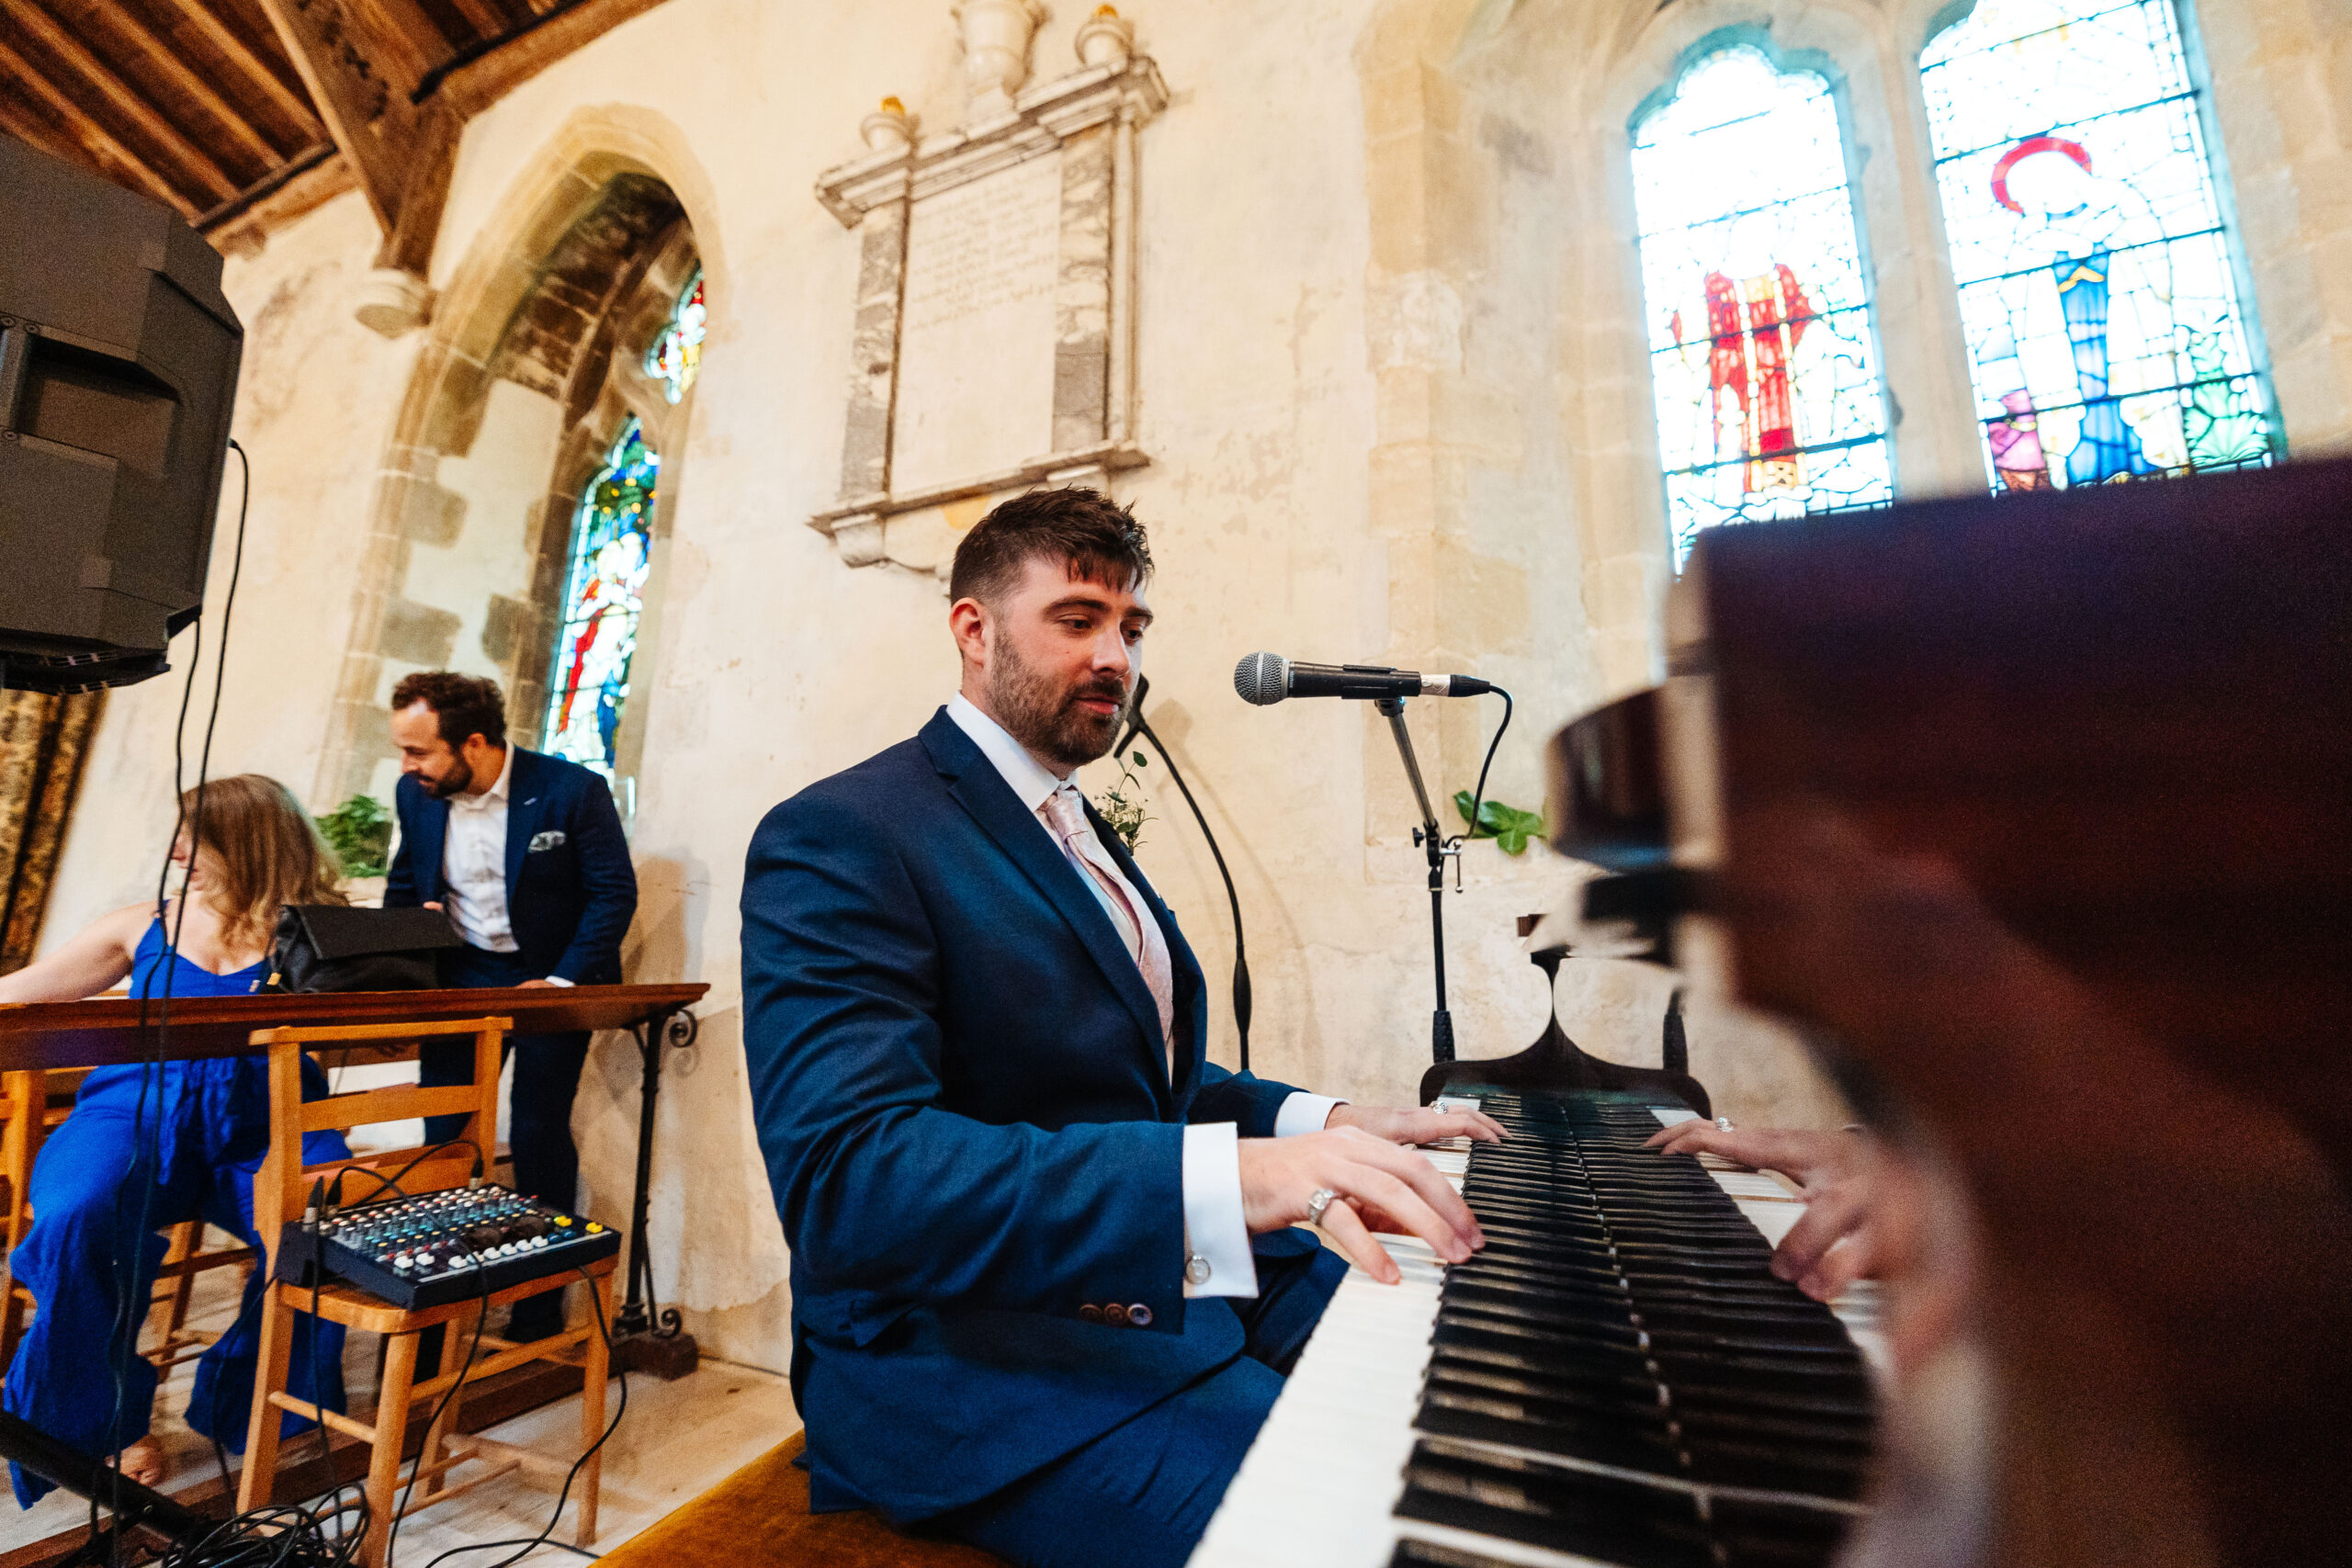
604 1330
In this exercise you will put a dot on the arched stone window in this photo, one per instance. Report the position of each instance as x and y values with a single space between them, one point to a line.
1763 353
2097 275
520 533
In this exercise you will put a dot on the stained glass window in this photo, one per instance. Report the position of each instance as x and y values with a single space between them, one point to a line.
1762 352
2096 285
603 595
674 356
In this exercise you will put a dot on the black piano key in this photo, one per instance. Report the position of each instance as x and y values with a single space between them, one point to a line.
1835 1378
1608 1518
1606 1381
1609 1307
1771 1535
1473 1332
1814 1470
1429 1554
1529 1325
1838 1405
1618 1432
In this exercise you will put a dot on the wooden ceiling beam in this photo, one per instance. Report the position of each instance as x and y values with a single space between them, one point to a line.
409 42
184 78
373 125
484 18
95 137
38 24
21 119
239 53
475 86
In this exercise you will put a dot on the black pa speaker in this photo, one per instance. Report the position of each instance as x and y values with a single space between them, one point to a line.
117 372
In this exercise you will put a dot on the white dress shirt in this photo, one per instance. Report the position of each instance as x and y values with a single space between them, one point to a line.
1215 1231
473 865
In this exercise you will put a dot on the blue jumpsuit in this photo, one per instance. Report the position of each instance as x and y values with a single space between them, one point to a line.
202 1131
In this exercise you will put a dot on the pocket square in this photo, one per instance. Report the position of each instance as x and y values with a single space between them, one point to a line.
551 839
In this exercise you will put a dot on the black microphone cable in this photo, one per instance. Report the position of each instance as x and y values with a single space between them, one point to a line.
604 1331
1138 723
123 1332
1479 797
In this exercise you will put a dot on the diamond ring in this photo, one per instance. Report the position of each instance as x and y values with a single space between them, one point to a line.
1316 1204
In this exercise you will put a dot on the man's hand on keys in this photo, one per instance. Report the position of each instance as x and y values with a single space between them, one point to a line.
1375 1185
1418 1125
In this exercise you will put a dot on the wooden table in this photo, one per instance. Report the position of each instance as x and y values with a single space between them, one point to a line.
119 1032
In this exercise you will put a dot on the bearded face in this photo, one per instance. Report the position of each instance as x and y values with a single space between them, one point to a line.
1060 717
451 781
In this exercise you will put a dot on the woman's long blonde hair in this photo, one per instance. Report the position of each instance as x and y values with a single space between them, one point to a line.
259 852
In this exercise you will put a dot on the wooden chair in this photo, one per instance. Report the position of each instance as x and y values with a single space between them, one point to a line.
24 1107
280 1193
32 1103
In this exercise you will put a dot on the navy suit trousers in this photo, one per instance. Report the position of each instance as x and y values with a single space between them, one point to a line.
1141 1494
547 1075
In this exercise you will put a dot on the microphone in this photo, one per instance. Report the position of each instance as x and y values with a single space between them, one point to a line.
1264 678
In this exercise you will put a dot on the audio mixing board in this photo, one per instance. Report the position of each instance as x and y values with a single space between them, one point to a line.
444 1246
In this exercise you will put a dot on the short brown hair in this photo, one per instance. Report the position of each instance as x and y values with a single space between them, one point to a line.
464 704
1100 540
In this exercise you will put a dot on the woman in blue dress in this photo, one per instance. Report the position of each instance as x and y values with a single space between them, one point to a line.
200 1128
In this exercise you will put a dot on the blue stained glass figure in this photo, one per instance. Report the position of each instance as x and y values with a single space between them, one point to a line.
1763 355
2105 333
604 596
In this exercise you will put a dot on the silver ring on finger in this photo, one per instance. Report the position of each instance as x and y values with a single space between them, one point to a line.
1317 1204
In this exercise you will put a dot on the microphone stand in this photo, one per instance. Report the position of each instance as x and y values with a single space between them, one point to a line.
1428 836
1138 723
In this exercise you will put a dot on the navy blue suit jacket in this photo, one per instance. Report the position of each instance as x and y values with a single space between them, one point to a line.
570 899
959 1090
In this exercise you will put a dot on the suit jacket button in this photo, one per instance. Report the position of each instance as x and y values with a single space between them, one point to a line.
1140 1315
1114 1314
1090 1312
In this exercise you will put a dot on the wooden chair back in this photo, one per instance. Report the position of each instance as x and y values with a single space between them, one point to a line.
282 1187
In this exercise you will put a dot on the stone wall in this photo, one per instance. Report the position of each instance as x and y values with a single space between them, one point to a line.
1392 383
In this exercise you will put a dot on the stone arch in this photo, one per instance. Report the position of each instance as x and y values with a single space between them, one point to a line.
552 300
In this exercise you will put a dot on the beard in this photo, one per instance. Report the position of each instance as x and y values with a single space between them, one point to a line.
1043 715
452 783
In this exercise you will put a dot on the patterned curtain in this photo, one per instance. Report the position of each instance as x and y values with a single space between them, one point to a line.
43 740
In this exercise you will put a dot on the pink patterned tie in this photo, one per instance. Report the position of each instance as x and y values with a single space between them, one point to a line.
1141 936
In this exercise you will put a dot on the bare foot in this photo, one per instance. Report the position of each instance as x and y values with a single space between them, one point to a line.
143 1461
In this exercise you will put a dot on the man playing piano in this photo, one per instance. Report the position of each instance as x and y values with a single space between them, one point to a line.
1045 1280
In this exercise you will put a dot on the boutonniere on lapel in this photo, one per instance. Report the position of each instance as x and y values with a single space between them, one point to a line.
551 839
1122 803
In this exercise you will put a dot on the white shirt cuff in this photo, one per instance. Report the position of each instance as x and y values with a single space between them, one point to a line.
1216 1238
558 980
1304 1113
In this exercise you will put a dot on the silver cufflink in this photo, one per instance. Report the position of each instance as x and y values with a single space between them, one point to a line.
1196 1269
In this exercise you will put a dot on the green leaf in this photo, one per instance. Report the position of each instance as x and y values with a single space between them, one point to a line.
1509 826
1142 761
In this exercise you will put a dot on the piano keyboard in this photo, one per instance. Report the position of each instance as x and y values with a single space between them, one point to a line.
1615 1382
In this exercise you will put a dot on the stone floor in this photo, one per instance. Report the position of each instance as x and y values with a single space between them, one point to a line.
675 1440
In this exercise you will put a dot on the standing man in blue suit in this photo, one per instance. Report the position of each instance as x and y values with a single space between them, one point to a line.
525 854
1044 1283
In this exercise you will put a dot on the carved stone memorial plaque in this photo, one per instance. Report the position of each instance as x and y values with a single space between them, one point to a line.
976 328
992 348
